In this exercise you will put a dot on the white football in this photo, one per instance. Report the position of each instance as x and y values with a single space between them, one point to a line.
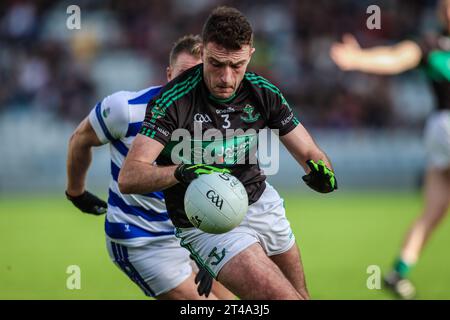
216 203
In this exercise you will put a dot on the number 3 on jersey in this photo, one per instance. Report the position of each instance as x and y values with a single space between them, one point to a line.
227 123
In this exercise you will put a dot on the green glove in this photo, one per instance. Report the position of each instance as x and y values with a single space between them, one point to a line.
321 178
186 173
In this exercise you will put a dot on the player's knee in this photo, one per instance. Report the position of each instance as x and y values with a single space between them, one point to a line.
305 294
252 275
222 292
186 290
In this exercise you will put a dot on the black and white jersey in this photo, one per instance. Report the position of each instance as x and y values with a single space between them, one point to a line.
224 131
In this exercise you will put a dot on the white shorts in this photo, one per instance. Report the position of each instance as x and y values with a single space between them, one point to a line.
264 223
156 267
437 139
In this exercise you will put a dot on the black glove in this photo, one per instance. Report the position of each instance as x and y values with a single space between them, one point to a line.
320 178
89 203
204 281
186 173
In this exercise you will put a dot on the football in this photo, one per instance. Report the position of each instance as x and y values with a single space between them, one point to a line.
216 203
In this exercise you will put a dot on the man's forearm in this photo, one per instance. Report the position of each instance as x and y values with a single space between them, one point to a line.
389 60
314 154
303 148
377 60
317 155
140 177
78 161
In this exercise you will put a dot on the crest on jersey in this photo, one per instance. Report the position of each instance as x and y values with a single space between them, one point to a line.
157 112
248 109
200 117
106 112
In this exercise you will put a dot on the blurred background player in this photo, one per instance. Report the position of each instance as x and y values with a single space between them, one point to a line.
431 52
140 236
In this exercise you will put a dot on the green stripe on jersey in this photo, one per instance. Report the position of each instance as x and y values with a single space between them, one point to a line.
252 76
173 94
177 88
180 88
264 83
173 99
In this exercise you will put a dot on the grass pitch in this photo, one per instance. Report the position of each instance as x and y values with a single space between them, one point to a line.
339 235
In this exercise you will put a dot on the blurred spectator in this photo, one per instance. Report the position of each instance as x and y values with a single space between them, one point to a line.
124 44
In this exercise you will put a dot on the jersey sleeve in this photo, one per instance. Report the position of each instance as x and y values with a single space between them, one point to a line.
160 119
281 115
163 115
427 43
110 117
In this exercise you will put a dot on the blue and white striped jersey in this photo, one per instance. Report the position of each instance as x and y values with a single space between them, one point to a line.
131 220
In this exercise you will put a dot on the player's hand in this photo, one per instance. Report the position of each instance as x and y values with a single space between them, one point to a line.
186 173
88 203
203 279
346 53
321 178
204 282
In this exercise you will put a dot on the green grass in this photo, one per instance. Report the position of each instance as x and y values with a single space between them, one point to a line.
339 236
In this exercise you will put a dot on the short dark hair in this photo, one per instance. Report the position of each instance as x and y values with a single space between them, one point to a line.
189 44
227 27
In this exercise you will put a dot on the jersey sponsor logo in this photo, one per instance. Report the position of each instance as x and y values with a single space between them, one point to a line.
162 131
147 128
215 198
249 118
286 120
148 125
228 150
203 118
227 110
231 151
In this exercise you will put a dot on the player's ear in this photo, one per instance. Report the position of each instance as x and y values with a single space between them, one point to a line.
252 50
169 73
202 54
